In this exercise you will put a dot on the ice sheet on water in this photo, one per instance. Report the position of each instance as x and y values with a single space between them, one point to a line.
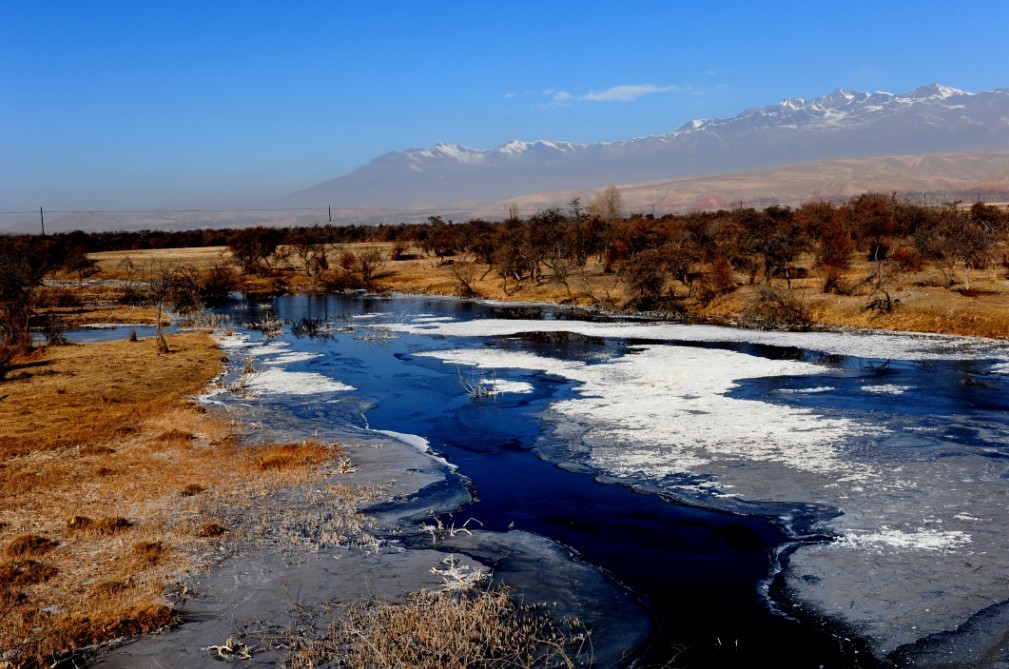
663 411
277 381
875 345
416 441
919 536
886 389
291 357
498 386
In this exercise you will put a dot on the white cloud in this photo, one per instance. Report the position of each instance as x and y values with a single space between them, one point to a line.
622 93
629 93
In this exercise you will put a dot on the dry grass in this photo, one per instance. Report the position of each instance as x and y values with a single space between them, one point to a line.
445 629
110 263
114 486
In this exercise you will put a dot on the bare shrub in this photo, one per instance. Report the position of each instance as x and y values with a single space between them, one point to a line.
465 273
777 309
149 552
881 305
907 259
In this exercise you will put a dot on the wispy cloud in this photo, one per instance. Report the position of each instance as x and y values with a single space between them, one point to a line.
629 93
622 93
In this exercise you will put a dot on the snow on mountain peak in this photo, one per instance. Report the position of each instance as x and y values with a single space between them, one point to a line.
934 91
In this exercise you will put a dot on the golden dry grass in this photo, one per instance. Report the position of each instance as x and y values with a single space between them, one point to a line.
115 485
444 629
110 263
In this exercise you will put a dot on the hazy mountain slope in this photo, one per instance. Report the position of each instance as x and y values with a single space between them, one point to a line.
935 174
930 119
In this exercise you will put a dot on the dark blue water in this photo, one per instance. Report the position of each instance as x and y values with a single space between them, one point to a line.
697 570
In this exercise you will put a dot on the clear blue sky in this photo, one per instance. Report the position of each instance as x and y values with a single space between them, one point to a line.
153 104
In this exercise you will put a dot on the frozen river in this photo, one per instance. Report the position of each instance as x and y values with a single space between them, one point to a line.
799 498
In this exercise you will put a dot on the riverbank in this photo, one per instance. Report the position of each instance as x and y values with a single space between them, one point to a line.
116 484
927 300
137 506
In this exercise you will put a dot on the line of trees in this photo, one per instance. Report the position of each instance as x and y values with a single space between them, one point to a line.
702 254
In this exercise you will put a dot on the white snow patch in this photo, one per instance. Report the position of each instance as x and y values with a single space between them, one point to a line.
920 539
268 348
275 381
498 386
233 341
433 319
664 410
416 441
886 389
292 357
806 391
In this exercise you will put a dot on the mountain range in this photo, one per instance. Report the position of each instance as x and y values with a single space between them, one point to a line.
843 124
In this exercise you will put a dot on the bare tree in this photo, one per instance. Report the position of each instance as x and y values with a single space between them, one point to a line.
969 238
608 205
172 286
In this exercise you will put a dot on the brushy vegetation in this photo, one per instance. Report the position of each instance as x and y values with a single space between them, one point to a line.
444 629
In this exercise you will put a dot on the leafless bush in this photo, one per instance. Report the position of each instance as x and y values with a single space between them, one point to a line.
776 309
881 305
465 273
54 328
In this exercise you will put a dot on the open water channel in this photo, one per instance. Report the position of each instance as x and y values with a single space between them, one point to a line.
782 499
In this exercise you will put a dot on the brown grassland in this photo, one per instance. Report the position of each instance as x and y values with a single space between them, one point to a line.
115 485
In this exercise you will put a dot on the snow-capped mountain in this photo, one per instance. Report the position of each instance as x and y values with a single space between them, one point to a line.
930 119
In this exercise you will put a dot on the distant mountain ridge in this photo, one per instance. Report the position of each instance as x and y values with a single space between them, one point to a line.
929 119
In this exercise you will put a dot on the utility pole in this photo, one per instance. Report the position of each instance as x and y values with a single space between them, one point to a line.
330 213
42 219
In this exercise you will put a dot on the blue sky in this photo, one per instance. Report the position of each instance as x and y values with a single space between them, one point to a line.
152 104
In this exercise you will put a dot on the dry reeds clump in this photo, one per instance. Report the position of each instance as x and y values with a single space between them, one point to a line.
113 525
20 573
446 629
150 552
211 530
192 490
285 456
30 545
